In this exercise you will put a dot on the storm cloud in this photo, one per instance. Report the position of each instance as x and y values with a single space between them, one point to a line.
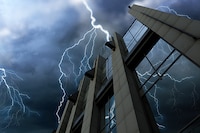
34 34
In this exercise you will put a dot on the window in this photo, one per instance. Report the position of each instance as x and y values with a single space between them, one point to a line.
155 63
134 34
107 69
108 120
170 82
192 127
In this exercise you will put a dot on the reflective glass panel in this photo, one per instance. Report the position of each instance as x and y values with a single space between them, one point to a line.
175 97
134 34
109 124
109 67
159 53
107 70
155 63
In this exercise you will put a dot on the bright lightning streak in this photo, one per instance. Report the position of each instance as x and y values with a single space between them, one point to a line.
12 107
93 20
63 74
172 11
160 126
81 69
85 59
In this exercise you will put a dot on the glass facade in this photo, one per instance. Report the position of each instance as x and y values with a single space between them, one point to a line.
134 34
170 82
108 119
193 126
107 69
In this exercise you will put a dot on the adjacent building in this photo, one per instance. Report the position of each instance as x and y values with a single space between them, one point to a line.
149 83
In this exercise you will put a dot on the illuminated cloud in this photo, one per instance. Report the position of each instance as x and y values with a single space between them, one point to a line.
34 34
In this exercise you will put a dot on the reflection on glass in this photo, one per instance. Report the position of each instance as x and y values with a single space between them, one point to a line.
192 127
109 120
174 96
159 53
107 69
144 70
134 34
155 63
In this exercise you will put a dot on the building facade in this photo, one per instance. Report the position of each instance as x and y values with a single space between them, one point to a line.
148 84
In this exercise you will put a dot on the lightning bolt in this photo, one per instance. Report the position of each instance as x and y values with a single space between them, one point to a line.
93 20
170 10
12 107
85 61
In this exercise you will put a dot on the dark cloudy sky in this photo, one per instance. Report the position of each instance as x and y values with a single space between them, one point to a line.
33 36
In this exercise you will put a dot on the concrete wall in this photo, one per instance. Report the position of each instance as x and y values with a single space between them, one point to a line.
131 116
125 113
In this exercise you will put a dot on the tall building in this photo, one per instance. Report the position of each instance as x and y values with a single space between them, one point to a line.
149 83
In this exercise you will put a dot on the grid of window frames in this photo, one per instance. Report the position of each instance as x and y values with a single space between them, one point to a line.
171 84
134 34
108 119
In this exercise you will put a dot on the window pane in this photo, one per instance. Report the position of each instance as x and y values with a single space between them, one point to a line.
107 70
172 86
144 71
157 61
107 112
114 130
168 62
109 116
109 67
133 35
174 100
159 52
112 113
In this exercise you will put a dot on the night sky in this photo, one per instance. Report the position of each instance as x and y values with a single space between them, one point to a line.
33 36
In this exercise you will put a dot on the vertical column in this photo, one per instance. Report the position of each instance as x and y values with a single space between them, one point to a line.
71 119
130 113
65 117
77 108
90 120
